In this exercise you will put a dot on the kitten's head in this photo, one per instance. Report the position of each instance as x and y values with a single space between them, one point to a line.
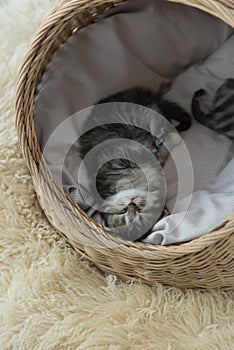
134 205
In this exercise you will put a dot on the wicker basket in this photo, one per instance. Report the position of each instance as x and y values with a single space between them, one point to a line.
206 262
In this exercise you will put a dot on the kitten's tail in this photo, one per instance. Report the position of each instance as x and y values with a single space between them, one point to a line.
172 111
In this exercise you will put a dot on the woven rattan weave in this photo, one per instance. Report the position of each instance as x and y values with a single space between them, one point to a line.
206 262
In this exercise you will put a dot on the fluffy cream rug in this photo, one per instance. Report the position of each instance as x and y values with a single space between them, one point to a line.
49 297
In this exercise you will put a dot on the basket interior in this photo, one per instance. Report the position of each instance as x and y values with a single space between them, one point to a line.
139 43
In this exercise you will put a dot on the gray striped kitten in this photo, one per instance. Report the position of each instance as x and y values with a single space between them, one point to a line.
131 193
219 116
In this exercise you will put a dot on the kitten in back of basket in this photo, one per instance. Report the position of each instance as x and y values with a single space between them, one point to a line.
129 206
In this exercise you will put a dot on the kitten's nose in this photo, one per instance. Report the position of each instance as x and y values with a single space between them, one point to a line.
132 198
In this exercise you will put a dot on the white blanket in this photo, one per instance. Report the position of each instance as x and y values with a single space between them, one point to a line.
212 199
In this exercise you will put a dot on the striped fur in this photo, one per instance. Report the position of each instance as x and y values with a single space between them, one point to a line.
220 115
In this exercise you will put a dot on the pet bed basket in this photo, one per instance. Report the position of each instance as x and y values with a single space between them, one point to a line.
206 262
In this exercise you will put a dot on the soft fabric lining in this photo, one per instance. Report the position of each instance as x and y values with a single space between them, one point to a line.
114 54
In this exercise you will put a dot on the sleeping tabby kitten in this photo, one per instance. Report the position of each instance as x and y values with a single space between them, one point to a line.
220 115
132 193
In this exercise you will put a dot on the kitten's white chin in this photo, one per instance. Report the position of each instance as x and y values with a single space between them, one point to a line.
127 195
140 197
124 197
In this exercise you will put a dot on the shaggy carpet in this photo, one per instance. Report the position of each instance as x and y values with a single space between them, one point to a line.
50 298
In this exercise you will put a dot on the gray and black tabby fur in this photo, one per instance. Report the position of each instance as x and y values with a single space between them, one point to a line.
220 115
125 205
